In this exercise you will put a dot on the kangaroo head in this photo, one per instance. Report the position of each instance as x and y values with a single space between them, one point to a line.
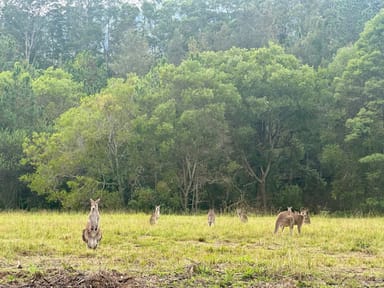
305 214
95 204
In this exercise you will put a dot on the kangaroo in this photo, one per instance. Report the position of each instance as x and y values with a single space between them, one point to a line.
155 216
289 219
157 212
305 213
92 238
242 215
92 233
94 215
211 217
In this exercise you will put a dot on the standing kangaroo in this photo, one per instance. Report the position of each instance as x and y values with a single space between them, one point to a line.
289 219
211 217
155 215
157 212
242 215
92 233
94 215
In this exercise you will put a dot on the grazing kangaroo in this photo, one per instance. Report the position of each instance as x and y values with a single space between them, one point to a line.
92 233
289 219
242 215
211 217
155 216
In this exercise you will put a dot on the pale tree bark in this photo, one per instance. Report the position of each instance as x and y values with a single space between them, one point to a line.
261 178
272 135
187 180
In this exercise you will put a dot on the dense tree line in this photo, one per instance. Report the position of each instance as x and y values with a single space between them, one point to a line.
192 104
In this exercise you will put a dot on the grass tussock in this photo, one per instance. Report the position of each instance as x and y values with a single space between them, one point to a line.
182 251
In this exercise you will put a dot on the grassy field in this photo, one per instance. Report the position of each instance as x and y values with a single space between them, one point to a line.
182 251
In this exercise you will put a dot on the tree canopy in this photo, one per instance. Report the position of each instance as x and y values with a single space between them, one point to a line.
192 105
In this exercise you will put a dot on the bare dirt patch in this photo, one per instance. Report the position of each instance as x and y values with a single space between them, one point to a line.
64 278
113 279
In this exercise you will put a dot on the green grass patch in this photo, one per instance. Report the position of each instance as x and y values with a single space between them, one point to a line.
182 251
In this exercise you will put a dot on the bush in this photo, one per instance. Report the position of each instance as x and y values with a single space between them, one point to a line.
290 196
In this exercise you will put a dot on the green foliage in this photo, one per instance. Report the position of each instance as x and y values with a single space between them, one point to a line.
10 148
90 143
18 110
24 21
8 54
289 196
333 158
142 199
132 55
83 188
374 158
182 128
220 125
11 189
277 101
90 71
358 93
55 92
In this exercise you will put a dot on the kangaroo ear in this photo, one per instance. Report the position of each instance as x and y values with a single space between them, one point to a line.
98 200
92 200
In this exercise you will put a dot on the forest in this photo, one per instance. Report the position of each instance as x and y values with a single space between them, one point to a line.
190 105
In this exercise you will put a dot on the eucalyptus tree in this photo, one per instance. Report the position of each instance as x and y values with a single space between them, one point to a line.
359 94
90 70
18 118
188 132
87 151
131 55
11 189
85 25
202 130
57 48
25 21
331 25
277 111
17 109
54 93
8 52
128 47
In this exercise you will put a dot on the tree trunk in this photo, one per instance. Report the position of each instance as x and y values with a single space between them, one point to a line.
196 199
187 181
263 192
261 179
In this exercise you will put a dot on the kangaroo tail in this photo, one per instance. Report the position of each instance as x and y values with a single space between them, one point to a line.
277 226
